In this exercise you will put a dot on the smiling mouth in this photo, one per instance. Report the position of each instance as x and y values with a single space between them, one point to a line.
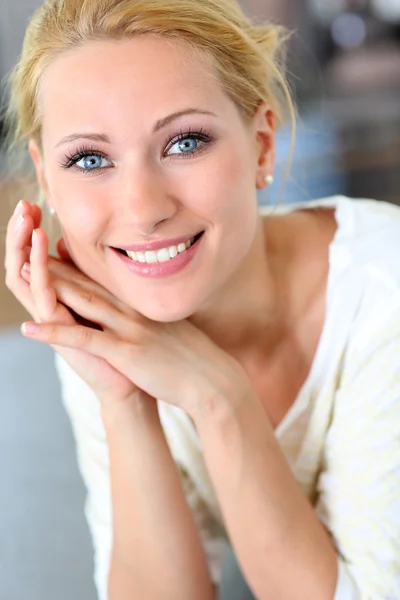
162 255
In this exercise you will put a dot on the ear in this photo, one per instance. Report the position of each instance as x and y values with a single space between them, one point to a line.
265 134
37 160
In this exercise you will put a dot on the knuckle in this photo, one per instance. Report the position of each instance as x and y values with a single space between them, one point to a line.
19 294
77 276
9 281
83 336
12 283
87 296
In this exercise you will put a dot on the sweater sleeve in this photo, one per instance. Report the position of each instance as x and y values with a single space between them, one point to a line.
83 410
359 486
346 589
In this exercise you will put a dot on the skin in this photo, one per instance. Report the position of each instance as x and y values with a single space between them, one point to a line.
148 196
258 295
240 324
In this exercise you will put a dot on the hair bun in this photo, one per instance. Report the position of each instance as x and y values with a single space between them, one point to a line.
272 39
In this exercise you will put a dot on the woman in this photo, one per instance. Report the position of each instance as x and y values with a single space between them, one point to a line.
229 372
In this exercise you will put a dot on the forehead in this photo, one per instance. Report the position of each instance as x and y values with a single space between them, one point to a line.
136 76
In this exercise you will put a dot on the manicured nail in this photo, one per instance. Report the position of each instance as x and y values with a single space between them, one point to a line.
19 208
29 328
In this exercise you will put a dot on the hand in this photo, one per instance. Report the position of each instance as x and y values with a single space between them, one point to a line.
36 293
175 362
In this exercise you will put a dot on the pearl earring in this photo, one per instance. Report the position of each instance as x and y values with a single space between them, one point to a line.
52 211
269 179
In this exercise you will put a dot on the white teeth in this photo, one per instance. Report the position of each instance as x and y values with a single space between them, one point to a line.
162 255
151 257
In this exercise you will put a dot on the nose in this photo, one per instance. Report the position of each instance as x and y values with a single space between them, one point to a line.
144 199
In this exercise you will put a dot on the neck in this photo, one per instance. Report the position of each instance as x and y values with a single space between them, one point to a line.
246 317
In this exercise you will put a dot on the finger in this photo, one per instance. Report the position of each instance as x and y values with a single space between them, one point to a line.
19 232
63 251
26 272
69 272
17 240
42 290
36 213
89 302
26 275
17 237
78 337
118 353
24 215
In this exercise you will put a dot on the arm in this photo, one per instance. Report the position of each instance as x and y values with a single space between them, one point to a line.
281 545
156 549
94 456
358 490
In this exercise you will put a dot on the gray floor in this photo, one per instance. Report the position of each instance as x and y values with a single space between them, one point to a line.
45 547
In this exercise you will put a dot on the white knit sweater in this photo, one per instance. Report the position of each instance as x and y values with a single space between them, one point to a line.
341 437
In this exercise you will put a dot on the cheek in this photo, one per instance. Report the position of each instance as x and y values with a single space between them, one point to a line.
232 194
223 189
237 207
84 253
80 212
82 220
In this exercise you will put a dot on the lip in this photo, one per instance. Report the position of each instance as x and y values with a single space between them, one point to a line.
158 244
162 269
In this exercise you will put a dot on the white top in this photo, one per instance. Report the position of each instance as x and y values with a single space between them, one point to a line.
341 437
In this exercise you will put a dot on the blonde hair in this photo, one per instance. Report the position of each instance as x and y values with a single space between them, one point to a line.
248 59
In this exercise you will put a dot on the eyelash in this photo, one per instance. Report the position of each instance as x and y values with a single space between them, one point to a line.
84 151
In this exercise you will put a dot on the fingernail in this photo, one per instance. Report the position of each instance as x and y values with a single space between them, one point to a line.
29 328
19 222
19 208
34 237
27 267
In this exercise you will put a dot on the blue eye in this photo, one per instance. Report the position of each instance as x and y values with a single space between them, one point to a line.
189 143
91 162
86 160
186 145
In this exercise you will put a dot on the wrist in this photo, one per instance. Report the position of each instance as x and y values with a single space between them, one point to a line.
139 407
221 404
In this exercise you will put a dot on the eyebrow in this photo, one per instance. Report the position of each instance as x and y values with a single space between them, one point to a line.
160 124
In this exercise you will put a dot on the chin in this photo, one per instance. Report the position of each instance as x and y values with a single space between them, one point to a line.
166 314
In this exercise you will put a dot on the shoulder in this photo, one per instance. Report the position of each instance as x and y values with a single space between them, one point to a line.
370 230
366 244
369 245
365 260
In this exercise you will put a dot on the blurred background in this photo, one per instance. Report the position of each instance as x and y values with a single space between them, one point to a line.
343 65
